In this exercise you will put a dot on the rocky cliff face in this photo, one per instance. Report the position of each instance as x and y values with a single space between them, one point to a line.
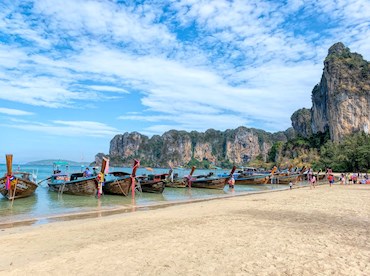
127 144
341 101
301 122
178 148
243 145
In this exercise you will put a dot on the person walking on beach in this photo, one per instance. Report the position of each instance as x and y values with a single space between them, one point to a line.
309 174
342 178
354 178
313 181
331 179
290 185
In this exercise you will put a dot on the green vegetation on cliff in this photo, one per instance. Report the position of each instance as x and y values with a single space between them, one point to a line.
299 151
319 152
350 155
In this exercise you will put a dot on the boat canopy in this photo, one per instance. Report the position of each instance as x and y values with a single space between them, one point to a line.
60 163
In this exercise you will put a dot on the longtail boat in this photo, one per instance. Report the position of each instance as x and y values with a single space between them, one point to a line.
73 184
254 178
173 181
152 183
286 178
119 183
76 184
17 184
209 181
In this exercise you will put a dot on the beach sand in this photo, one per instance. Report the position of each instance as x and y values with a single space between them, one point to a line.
322 231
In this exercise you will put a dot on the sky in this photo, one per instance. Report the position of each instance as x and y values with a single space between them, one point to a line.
75 73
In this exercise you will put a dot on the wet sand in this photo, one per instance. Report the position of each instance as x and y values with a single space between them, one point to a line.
304 231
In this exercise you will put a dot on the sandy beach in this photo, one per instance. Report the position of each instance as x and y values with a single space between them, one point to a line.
322 231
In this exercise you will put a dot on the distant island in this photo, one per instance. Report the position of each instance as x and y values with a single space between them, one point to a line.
49 162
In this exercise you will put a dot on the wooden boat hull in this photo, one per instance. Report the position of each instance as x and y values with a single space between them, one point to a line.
117 187
24 188
86 186
286 179
153 187
176 183
252 180
216 183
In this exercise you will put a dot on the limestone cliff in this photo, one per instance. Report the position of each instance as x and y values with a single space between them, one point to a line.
301 122
341 101
180 148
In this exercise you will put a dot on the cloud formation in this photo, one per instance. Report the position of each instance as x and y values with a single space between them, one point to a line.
65 128
14 112
192 64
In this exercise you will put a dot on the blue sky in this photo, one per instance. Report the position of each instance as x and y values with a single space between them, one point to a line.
74 73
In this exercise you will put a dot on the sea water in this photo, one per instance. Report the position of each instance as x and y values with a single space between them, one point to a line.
46 204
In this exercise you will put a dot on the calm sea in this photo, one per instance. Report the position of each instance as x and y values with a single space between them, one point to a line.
46 203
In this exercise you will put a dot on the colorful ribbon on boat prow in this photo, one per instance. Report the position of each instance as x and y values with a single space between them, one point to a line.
136 165
11 181
189 179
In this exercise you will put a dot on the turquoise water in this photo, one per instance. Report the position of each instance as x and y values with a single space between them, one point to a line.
46 203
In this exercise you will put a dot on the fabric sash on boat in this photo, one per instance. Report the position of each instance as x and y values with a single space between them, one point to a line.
137 164
10 181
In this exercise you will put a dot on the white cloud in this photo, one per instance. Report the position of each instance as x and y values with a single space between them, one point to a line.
66 128
203 64
15 112
108 88
105 21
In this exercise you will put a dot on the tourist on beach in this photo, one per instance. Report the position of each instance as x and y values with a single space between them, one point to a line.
313 181
290 185
342 178
345 179
331 179
309 174
329 171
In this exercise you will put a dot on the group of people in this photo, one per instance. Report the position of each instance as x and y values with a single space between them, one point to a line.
88 173
355 178
345 178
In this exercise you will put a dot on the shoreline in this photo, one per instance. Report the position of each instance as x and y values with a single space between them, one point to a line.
128 208
108 211
322 231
